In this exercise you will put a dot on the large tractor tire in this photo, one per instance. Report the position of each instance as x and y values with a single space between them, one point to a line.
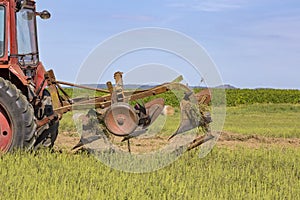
17 124
48 134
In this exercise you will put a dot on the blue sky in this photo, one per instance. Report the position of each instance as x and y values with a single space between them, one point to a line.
253 43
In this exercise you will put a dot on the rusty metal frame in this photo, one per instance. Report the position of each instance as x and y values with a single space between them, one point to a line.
62 103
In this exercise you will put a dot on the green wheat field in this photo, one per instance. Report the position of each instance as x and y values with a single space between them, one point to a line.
258 159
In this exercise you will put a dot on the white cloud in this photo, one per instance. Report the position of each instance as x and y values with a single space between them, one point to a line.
208 5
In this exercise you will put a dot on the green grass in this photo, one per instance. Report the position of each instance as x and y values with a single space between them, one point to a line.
234 97
239 173
67 124
276 115
249 96
224 174
271 120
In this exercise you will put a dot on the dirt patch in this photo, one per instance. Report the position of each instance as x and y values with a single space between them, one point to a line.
254 141
66 141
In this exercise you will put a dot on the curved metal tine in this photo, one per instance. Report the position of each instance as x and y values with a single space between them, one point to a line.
189 118
199 141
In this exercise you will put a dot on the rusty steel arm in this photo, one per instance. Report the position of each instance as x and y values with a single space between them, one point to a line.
82 87
52 87
105 101
63 103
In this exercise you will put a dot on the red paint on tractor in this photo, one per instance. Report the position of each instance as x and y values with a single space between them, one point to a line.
6 132
40 77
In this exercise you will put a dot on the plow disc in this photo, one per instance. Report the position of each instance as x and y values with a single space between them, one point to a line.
123 120
120 119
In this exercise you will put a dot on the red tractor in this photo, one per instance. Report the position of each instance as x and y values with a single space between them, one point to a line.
32 101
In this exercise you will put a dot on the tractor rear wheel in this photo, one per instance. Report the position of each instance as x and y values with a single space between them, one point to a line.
17 124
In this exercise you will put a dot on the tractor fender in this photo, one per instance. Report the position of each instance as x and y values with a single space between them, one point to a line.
15 69
38 78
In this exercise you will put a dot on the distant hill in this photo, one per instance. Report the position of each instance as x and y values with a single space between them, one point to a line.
226 86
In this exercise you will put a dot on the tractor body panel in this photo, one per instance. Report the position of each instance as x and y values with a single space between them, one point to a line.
32 100
18 42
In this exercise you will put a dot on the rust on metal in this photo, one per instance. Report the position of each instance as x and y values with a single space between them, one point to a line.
82 86
51 81
154 109
46 120
120 119
204 96
199 141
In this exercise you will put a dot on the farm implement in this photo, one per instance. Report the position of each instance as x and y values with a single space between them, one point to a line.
32 101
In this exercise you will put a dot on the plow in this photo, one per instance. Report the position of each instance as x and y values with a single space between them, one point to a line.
32 101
